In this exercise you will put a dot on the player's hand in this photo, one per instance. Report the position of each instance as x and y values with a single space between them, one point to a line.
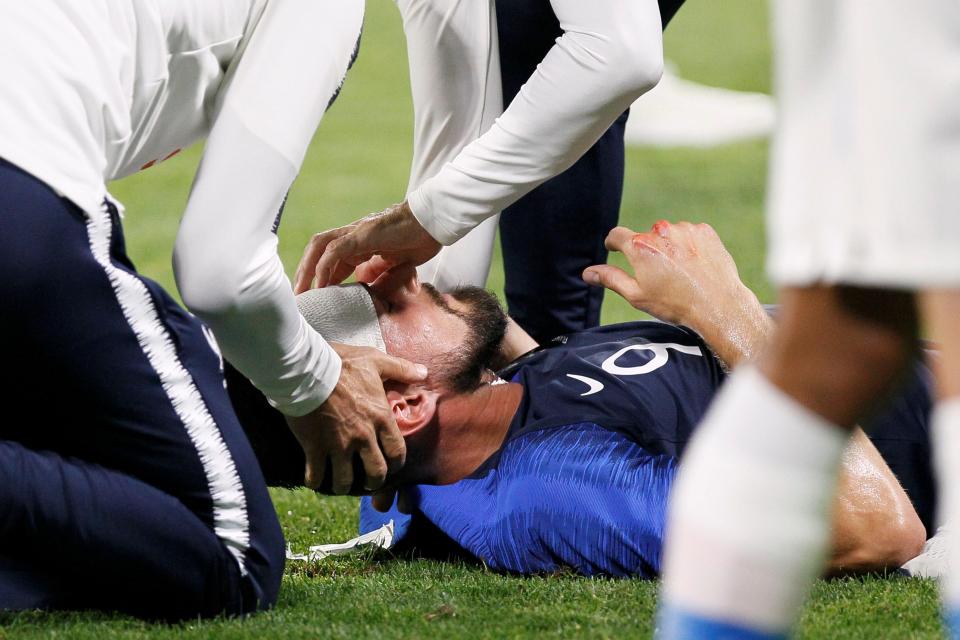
356 419
682 273
370 246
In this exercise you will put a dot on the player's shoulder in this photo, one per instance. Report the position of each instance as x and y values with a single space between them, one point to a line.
630 349
644 329
608 370
648 381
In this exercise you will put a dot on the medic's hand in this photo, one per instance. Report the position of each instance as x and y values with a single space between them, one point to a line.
356 419
371 246
682 273
384 499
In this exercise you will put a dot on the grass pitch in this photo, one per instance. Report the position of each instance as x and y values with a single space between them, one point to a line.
359 163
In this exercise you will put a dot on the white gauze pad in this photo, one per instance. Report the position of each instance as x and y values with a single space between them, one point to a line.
343 314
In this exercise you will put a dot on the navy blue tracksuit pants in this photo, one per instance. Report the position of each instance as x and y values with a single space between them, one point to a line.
569 215
126 482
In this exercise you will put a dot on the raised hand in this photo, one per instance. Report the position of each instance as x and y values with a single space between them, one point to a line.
683 274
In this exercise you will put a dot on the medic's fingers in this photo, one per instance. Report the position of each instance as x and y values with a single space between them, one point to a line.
315 249
333 265
374 466
371 270
342 464
383 500
397 277
315 469
398 369
311 255
393 446
404 501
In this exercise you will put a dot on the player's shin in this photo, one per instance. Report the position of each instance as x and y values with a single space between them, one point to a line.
749 517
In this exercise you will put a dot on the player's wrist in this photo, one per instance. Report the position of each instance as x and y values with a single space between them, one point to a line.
417 207
735 325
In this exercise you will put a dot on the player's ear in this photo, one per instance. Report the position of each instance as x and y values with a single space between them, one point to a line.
413 408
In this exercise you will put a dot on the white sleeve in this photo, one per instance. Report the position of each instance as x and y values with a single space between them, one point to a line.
455 83
610 53
225 259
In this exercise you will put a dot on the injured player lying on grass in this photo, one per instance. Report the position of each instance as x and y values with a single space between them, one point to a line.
567 458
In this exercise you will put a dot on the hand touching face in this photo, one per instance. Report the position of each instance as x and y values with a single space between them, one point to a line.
374 245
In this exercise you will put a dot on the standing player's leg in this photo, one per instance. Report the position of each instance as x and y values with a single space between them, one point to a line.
120 378
856 197
749 521
556 231
941 311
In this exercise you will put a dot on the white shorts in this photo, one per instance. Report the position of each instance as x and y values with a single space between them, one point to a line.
865 168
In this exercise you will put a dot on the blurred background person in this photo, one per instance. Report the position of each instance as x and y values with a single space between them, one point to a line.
864 235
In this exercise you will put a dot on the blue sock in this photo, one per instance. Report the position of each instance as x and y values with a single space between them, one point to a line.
951 618
675 624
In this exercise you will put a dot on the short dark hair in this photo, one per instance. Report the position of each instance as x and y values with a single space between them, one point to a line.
464 369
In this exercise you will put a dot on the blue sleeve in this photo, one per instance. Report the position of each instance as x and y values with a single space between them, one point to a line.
371 519
589 500
581 497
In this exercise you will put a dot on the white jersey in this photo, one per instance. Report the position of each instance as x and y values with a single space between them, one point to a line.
611 51
865 166
96 90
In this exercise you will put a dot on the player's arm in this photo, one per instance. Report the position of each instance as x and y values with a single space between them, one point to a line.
875 526
684 275
226 261
455 84
516 342
610 53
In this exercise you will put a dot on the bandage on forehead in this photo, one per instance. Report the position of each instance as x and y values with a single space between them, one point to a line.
343 314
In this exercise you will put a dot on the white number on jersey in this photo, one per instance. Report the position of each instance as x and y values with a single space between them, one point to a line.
661 355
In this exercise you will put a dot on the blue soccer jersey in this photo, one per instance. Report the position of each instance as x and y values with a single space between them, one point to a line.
582 478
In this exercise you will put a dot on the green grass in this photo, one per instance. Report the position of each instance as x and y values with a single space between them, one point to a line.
359 163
